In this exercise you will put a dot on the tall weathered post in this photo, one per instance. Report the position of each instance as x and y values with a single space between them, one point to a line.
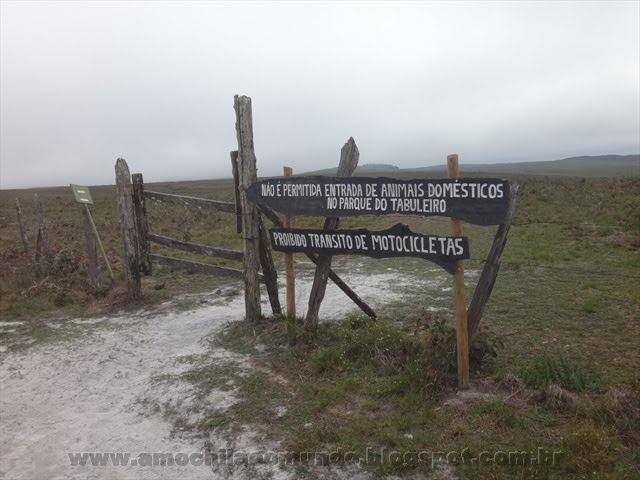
236 189
247 174
128 229
460 295
142 224
349 156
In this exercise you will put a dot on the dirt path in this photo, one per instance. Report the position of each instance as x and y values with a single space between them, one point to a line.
83 396
97 393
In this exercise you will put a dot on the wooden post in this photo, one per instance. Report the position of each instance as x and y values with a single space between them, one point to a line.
93 263
236 190
291 279
142 224
23 230
247 174
349 156
128 228
490 270
269 271
43 247
460 297
289 265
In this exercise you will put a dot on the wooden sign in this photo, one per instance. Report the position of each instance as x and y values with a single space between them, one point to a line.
482 201
397 241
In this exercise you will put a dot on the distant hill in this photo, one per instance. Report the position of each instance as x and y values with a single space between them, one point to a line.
362 169
584 166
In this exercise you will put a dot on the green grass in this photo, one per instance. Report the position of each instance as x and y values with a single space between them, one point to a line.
564 310
368 387
562 371
27 291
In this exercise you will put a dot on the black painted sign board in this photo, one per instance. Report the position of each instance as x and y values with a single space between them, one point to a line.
482 201
397 241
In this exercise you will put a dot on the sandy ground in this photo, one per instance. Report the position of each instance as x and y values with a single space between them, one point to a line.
100 393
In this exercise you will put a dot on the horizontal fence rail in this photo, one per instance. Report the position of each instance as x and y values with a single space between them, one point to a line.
196 267
213 205
196 248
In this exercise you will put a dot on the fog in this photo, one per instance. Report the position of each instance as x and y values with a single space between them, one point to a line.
83 83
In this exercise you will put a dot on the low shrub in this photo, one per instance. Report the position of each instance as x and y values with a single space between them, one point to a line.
549 370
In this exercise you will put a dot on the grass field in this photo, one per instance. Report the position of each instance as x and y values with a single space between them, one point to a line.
558 359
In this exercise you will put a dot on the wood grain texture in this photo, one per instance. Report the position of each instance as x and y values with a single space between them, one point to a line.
349 156
142 224
247 174
236 189
460 295
128 229
490 270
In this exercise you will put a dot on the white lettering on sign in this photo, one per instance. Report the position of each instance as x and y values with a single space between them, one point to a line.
450 246
401 190
422 205
466 190
343 190
290 190
482 201
290 239
392 197
397 241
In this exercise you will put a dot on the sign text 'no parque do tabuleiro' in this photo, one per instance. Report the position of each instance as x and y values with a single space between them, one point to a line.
482 201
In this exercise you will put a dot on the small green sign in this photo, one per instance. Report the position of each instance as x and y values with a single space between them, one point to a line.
82 194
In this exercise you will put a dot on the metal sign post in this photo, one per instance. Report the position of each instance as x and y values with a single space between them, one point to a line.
83 196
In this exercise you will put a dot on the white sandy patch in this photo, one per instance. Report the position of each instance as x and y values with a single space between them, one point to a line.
5 324
100 393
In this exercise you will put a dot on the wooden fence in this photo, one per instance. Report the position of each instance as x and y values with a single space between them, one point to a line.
137 237
256 254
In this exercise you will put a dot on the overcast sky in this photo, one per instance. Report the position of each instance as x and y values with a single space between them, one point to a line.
83 83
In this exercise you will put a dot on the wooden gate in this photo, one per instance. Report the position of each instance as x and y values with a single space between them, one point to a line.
137 237
256 254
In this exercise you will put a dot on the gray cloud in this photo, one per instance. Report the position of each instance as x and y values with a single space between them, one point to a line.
85 83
